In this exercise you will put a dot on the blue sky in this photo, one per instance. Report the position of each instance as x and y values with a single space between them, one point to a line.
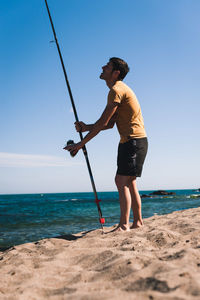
160 40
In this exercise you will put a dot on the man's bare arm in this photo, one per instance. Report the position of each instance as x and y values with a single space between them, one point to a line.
82 127
111 122
103 122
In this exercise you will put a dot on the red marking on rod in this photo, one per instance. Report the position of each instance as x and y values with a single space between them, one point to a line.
102 220
97 200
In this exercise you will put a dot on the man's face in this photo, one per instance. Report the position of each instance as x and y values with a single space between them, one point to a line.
107 71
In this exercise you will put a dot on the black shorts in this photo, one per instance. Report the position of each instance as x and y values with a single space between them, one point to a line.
131 156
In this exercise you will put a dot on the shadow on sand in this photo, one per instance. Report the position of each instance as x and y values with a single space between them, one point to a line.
71 237
68 237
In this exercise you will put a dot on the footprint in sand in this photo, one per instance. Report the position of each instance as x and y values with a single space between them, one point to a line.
150 283
176 255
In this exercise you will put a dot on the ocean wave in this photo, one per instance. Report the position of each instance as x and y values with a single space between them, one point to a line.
66 200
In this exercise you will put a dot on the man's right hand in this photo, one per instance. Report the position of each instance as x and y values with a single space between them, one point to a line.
80 126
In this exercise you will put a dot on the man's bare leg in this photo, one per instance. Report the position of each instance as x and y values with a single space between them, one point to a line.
123 183
135 204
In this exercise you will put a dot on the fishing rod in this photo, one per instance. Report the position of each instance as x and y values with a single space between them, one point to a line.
101 219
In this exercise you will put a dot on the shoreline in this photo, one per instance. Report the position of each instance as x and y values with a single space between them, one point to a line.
160 259
91 192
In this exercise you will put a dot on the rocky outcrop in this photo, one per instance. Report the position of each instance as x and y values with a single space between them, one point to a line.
162 193
157 193
145 196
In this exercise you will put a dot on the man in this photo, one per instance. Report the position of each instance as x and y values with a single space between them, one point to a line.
123 109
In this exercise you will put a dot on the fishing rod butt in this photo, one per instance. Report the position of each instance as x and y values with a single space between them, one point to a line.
102 232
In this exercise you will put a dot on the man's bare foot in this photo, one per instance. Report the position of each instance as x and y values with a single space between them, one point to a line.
122 228
136 224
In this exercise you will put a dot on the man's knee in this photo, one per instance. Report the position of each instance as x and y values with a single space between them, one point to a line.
121 180
117 180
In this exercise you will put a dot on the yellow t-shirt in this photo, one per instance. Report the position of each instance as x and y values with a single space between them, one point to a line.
129 120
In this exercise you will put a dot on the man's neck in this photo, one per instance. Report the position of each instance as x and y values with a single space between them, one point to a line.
110 83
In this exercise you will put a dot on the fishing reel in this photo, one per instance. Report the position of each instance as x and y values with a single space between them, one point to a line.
71 142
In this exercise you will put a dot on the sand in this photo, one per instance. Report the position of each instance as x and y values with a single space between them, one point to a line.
160 260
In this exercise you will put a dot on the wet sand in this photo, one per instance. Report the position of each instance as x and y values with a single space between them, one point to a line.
160 260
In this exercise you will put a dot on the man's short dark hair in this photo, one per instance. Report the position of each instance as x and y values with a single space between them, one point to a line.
119 65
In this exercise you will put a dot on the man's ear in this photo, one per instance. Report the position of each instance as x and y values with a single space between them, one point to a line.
116 73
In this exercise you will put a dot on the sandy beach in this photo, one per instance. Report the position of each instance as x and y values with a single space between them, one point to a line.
160 260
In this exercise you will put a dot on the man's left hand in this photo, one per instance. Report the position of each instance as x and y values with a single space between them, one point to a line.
74 148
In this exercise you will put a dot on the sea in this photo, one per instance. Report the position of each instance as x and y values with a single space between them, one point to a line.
31 217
